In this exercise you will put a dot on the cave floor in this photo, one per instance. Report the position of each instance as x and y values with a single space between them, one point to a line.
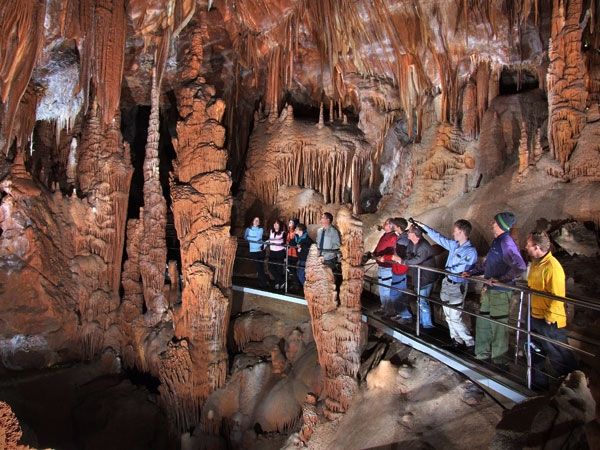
85 406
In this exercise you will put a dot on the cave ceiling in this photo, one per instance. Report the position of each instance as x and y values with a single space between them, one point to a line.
306 51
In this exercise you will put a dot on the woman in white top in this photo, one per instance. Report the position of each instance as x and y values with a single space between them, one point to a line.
277 251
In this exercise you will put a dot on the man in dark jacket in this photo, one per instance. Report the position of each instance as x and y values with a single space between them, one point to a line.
505 264
420 252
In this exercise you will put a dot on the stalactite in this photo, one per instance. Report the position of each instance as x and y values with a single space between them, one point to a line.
336 326
153 248
470 119
567 94
109 54
482 82
22 31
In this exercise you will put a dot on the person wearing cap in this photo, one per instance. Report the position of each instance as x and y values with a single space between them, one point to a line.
462 256
419 252
504 264
548 316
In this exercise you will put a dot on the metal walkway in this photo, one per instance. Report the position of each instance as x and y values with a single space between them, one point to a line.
484 376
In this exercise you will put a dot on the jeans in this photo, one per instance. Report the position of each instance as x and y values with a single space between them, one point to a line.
384 277
424 308
399 303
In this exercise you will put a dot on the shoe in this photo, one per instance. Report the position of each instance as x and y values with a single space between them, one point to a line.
502 367
401 320
379 311
453 345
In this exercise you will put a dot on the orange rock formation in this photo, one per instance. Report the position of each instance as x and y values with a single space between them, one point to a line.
336 322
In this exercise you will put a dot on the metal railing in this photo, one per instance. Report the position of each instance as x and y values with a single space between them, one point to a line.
522 326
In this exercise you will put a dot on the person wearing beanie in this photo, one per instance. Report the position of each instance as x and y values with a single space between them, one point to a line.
505 264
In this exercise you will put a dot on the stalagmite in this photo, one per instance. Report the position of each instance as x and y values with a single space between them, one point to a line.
72 162
289 118
336 323
101 229
321 123
202 208
310 418
537 146
523 152
567 92
153 248
331 109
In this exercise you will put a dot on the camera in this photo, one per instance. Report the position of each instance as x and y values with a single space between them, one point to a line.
414 222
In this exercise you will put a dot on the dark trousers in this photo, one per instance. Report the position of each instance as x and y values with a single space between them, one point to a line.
259 264
562 360
276 266
301 272
292 267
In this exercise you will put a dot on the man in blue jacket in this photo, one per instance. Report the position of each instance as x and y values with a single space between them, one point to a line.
462 256
505 264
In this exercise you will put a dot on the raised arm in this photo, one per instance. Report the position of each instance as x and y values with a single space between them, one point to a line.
440 239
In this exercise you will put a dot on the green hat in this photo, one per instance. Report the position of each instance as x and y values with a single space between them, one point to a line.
505 220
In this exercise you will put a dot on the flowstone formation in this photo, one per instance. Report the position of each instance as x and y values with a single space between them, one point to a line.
292 159
337 322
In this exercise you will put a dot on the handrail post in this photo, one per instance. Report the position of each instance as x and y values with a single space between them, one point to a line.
529 340
285 269
519 326
418 300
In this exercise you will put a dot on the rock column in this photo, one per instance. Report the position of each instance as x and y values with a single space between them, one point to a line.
336 322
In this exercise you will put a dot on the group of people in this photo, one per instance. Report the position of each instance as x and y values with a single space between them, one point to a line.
403 245
293 242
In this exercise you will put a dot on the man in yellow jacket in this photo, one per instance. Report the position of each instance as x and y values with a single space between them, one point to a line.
548 316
